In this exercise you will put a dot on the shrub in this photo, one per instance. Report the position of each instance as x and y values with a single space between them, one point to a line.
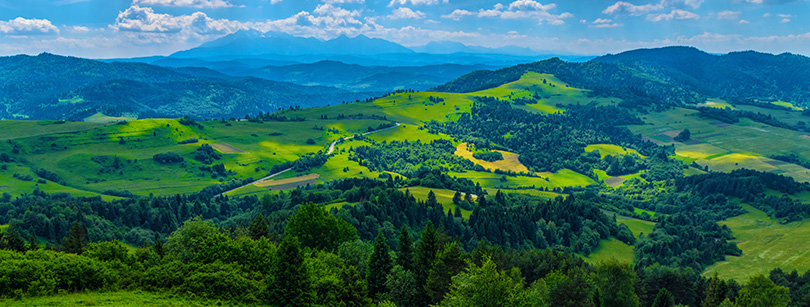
167 158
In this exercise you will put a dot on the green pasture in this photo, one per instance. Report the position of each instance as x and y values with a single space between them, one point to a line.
560 179
613 248
766 245
118 298
611 150
725 147
101 118
18 129
716 103
444 197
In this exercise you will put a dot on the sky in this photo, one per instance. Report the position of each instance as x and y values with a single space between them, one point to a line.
136 28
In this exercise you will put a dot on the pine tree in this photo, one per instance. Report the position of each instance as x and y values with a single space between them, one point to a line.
76 240
715 293
258 229
426 251
457 198
664 299
405 248
159 246
289 284
450 261
379 266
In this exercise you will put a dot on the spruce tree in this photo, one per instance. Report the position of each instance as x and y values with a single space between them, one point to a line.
258 228
289 284
426 251
76 240
379 266
664 299
405 249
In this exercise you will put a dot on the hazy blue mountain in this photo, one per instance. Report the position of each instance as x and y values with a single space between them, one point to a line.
445 47
56 87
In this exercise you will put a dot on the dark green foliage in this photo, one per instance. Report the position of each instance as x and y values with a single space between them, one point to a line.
206 154
76 239
684 136
379 266
407 158
188 141
450 261
11 240
318 229
405 249
616 280
167 158
43 272
288 283
310 142
258 229
570 290
489 156
664 299
761 291
426 251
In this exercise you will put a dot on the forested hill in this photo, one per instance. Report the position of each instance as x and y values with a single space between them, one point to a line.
672 75
55 87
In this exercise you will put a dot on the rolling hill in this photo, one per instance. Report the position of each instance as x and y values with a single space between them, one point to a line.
55 87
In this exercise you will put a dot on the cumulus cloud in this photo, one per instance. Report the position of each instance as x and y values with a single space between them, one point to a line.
728 15
675 14
604 23
416 2
529 9
339 1
187 3
406 13
785 17
144 19
626 8
23 26
77 29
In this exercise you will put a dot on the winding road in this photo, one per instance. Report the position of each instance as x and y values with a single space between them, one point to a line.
331 150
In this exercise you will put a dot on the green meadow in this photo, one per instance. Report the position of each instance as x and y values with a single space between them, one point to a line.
613 248
766 245
117 298
443 196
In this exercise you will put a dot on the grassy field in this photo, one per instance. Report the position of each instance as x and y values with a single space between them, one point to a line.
766 245
613 248
560 179
444 197
118 298
611 150
510 160
716 103
725 147
101 118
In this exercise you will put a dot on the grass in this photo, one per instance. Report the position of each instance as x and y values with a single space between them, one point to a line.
787 104
118 298
611 150
766 245
716 103
18 129
560 179
725 147
101 118
406 132
509 162
613 248
444 197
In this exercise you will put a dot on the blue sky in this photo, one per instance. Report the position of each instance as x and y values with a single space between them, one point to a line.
130 28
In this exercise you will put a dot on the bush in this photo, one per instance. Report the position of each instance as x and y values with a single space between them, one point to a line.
489 156
188 141
167 158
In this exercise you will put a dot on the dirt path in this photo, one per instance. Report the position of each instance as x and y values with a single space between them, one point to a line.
332 146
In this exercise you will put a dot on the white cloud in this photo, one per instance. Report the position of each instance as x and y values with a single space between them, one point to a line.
186 3
77 29
728 15
675 14
766 15
519 9
338 1
743 21
458 14
626 8
785 17
406 13
23 26
604 23
138 19
416 2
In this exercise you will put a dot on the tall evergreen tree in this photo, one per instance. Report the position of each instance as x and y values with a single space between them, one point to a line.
76 240
426 251
289 284
450 261
715 293
616 280
258 228
379 266
664 299
405 249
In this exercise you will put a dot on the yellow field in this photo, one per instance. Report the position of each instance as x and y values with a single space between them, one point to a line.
716 103
510 160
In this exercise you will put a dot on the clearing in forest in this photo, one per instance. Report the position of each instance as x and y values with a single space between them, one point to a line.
510 160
